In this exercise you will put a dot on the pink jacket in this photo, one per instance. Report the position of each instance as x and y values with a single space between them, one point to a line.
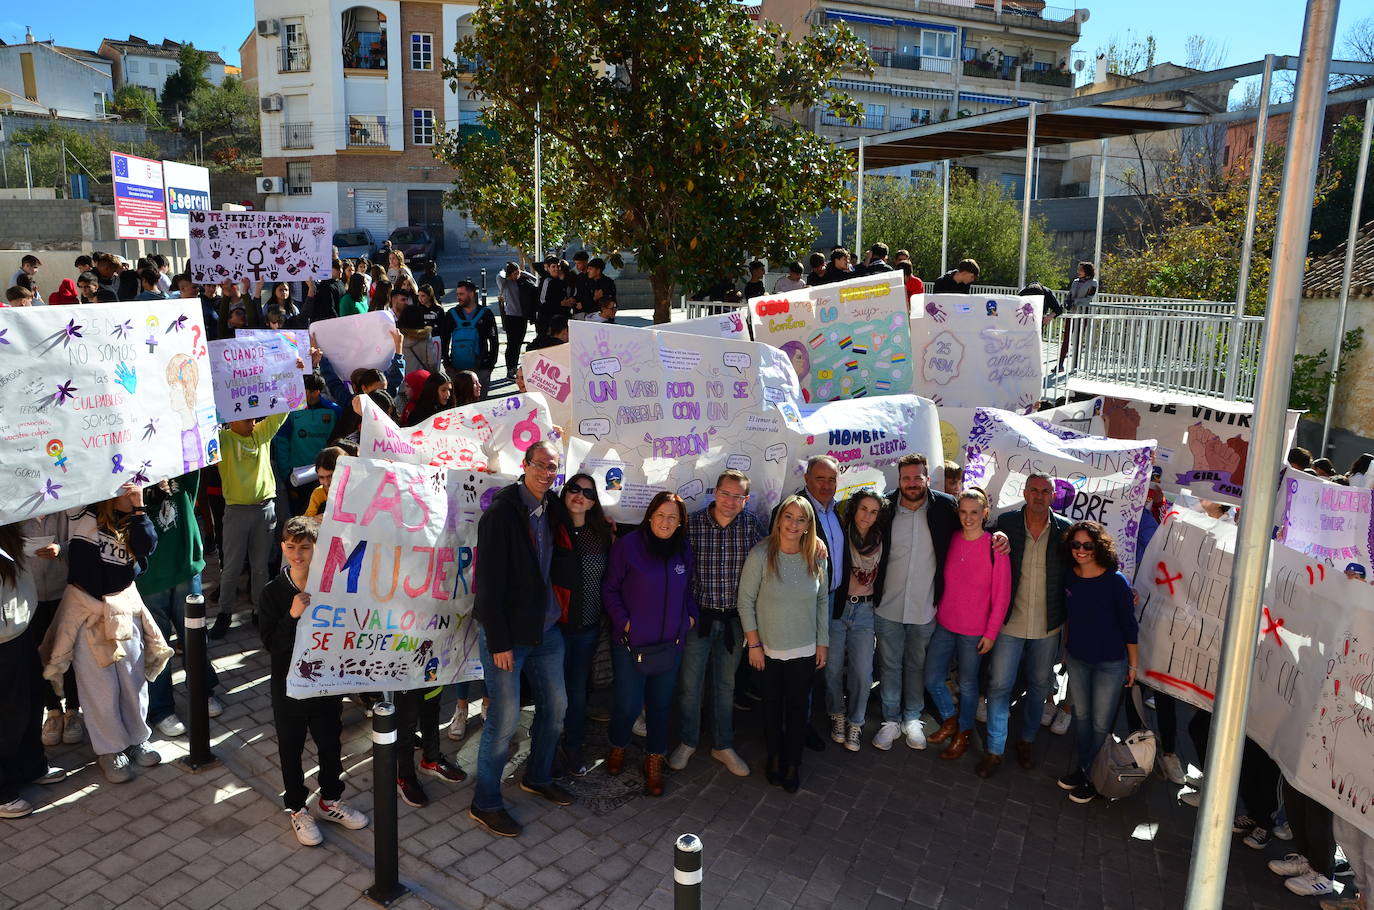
977 588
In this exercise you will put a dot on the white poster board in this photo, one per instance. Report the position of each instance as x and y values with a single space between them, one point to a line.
979 351
355 342
261 246
255 377
866 436
490 435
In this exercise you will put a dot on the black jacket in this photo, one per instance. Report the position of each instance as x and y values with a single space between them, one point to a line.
325 303
877 267
512 597
942 515
1013 525
277 629
946 284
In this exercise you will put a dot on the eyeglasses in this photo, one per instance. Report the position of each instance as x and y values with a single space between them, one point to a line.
733 497
584 492
1081 545
546 467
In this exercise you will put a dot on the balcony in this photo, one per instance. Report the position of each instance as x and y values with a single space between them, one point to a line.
367 131
884 57
983 69
1031 14
293 58
296 136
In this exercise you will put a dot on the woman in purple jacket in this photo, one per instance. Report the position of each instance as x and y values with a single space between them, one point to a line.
647 593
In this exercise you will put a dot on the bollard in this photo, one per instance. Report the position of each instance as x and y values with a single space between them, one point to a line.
386 883
196 659
484 286
687 873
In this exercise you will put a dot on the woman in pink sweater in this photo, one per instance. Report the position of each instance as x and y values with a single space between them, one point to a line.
971 611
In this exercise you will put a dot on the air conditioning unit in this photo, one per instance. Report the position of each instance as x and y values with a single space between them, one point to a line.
268 27
269 185
270 103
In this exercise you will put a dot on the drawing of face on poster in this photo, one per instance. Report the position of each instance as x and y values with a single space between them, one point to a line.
615 478
183 377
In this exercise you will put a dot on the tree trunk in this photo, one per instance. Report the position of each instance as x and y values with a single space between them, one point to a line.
663 296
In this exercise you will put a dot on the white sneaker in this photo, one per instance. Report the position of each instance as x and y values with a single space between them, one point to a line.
342 813
213 706
116 767
73 727
1194 780
837 734
1310 884
458 726
887 735
52 730
1060 725
1170 768
16 808
853 733
1291 865
307 832
170 726
681 756
53 776
1047 715
731 760
1190 798
145 757
982 713
640 729
915 734
1282 832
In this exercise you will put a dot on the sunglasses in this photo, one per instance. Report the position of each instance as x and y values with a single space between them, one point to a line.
584 492
1081 545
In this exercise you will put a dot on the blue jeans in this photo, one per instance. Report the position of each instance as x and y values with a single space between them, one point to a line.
470 691
169 612
1095 690
633 691
698 655
944 645
579 649
1008 653
545 665
902 667
851 642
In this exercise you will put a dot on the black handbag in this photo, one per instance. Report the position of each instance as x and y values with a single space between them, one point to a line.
651 660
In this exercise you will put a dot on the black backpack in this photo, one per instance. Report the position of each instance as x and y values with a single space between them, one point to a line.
529 294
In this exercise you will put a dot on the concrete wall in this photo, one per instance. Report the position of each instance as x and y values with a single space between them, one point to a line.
1316 332
46 222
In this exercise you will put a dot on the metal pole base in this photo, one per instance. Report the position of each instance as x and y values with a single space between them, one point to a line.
195 766
385 897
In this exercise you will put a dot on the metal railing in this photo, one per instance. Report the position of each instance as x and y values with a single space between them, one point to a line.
366 131
1129 303
293 58
297 136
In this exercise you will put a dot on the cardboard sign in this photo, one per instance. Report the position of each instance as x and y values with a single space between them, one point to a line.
255 377
978 351
719 325
866 436
490 435
260 246
548 371
356 342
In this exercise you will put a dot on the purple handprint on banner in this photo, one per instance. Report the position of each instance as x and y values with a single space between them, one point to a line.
1063 495
935 311
1024 312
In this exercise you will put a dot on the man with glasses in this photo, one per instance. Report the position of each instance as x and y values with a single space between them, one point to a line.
518 617
722 536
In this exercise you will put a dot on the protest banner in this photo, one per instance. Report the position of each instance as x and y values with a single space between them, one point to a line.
255 377
976 351
391 581
548 371
1203 443
490 435
298 339
866 436
666 411
97 395
260 246
1328 522
1095 479
717 325
848 339
187 190
139 198
356 342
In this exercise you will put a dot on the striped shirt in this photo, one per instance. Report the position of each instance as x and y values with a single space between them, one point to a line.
720 554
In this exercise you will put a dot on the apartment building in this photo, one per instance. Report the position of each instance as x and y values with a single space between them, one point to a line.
352 100
136 61
48 80
937 61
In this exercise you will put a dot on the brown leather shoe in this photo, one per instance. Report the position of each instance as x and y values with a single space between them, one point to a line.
1025 754
615 762
653 775
988 764
957 746
947 729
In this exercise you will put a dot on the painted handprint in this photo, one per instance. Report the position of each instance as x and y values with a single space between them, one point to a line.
935 311
215 250
1025 312
297 243
124 375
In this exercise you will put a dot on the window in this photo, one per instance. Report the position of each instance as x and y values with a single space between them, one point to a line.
133 66
364 39
298 178
920 115
1013 185
100 102
422 126
421 51
293 32
937 44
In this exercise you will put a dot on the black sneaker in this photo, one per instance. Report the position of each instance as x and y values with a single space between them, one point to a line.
743 704
1084 793
220 627
443 769
497 821
550 791
411 793
1073 780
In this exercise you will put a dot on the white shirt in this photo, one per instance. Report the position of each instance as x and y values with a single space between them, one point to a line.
909 590
788 283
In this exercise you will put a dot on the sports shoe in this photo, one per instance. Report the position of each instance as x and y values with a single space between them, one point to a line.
1258 839
1283 832
915 734
1291 865
640 728
458 726
853 734
170 726
550 791
16 808
1169 768
116 768
1242 824
837 734
73 727
742 703
1073 780
681 756
411 793
307 831
341 813
1047 715
143 756
497 821
1310 884
1194 780
1190 798
443 769
213 706
53 776
982 713
1060 725
220 627
731 760
1084 793
887 735
52 729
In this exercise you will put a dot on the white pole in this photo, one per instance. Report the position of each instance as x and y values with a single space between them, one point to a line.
538 254
1101 205
944 224
1247 244
1026 193
859 208
1212 835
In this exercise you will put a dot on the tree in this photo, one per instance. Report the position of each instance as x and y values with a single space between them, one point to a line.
133 102
983 224
1356 44
188 79
664 125
1331 218
1130 54
87 153
226 117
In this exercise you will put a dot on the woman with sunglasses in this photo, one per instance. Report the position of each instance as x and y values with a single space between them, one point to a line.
582 545
1100 639
647 592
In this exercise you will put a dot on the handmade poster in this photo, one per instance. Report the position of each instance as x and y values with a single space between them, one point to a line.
548 371
717 325
666 411
97 395
1095 479
260 246
358 341
866 436
1203 443
255 377
849 339
1328 522
391 582
490 435
298 339
187 190
139 198
978 351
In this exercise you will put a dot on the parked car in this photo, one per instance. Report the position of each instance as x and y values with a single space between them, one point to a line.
415 242
357 243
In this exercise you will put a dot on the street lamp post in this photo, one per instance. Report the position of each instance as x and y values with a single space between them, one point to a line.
28 173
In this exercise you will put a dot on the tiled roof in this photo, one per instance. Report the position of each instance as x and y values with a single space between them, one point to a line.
1323 277
168 48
